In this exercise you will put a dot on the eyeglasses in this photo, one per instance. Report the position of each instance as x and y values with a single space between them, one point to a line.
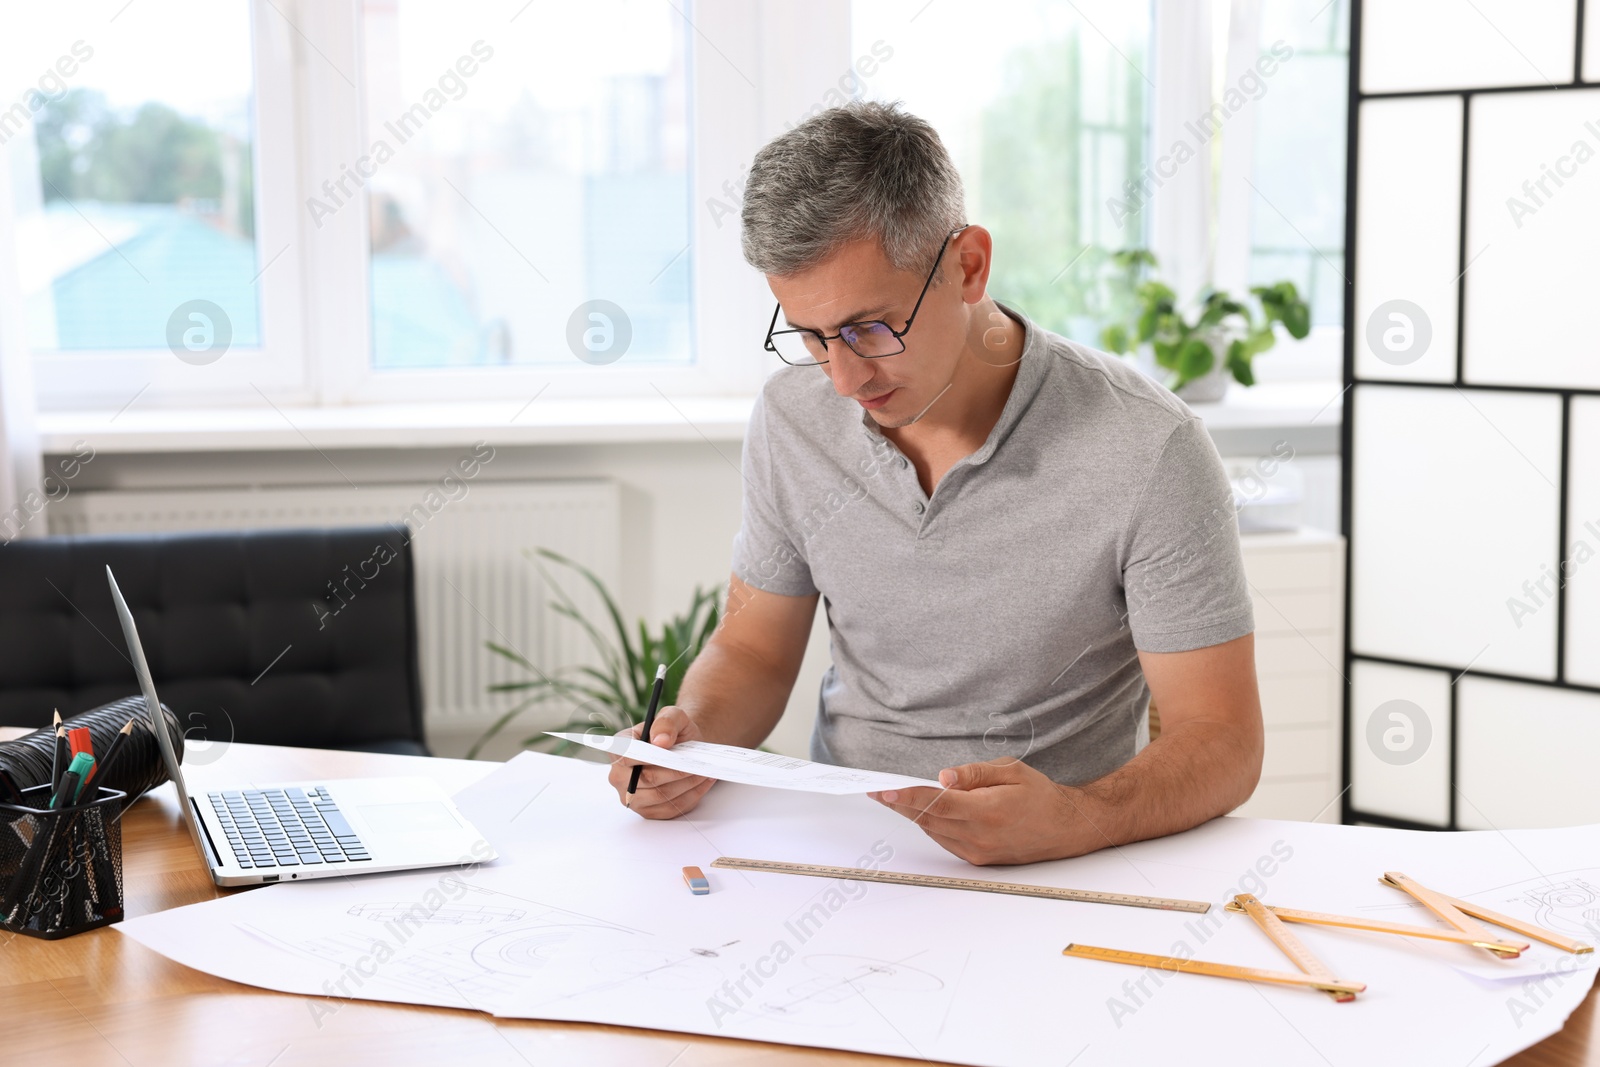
869 340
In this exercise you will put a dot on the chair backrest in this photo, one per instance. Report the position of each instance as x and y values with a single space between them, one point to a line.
290 637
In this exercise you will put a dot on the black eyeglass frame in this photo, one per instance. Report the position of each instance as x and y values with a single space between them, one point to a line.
898 335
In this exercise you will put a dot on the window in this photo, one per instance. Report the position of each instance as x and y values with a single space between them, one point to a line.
144 196
141 231
529 197
1299 156
296 202
1045 116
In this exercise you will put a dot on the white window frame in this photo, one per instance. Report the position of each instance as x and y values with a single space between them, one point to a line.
88 378
730 304
756 66
317 352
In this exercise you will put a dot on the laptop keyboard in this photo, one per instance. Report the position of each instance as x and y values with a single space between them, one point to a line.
286 827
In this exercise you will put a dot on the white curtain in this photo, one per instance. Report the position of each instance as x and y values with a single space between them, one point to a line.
1235 197
1201 234
22 499
1181 211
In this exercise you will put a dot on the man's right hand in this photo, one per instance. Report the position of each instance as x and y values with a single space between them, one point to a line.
738 685
662 793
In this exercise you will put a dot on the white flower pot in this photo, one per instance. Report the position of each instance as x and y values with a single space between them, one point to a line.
1209 388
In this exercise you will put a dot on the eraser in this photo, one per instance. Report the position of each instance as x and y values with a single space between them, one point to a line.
695 879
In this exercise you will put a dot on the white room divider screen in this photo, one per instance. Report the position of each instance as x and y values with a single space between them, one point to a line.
1472 415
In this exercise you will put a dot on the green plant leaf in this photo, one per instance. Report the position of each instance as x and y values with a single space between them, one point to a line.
1114 338
1281 302
613 695
1147 324
1239 363
619 697
516 687
1171 327
611 609
1195 359
512 655
1157 295
1219 308
578 693
1297 319
1155 317
563 605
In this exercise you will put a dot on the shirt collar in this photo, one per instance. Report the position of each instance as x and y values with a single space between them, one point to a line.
1031 371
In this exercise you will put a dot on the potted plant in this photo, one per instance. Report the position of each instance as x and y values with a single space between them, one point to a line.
1219 338
615 695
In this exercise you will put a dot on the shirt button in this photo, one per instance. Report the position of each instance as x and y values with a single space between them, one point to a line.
902 463
919 507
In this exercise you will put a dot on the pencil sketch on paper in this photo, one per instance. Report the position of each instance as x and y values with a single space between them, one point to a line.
1568 902
834 984
479 952
644 967
452 914
654 968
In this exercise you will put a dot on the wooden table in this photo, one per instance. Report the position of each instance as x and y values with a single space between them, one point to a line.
100 998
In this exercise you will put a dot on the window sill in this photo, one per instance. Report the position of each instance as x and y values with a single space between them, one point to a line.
632 420
1273 406
1276 405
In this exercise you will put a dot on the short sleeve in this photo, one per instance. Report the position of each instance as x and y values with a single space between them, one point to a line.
764 555
1183 578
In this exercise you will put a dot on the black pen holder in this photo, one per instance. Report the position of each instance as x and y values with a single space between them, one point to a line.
61 869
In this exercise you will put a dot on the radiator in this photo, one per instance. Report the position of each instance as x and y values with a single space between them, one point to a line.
475 582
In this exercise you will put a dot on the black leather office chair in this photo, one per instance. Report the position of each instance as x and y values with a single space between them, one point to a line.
287 637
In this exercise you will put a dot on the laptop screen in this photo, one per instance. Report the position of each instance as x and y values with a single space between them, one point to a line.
152 704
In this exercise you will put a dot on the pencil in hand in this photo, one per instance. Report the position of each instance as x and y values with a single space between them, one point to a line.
649 718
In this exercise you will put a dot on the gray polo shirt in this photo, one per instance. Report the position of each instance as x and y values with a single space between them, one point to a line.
1000 616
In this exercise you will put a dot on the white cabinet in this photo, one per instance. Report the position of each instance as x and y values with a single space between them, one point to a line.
1297 586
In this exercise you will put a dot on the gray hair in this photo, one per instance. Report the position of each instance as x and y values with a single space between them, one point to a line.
864 169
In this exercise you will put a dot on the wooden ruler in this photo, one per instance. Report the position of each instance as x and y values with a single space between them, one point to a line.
1290 945
1455 912
1341 990
936 881
1315 974
1349 922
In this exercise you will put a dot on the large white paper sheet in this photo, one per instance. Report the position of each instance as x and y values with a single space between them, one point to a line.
748 766
585 917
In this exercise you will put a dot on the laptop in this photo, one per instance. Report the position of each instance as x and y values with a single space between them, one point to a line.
248 834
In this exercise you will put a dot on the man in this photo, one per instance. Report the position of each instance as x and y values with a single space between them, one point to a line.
1018 540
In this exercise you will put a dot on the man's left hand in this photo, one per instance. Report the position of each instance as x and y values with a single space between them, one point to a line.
1001 811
